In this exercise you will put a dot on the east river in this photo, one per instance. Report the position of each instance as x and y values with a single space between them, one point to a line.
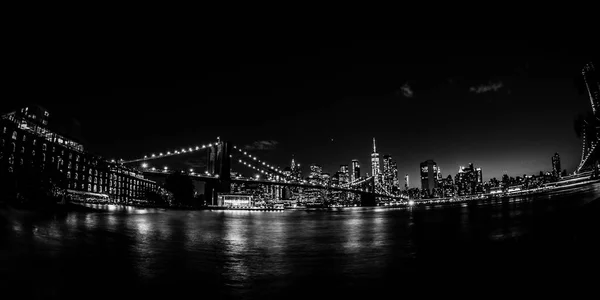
546 243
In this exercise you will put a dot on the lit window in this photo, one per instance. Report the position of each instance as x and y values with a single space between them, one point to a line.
33 153
68 175
70 155
90 172
22 149
76 176
13 147
43 157
62 152
21 161
89 179
11 160
34 141
77 158
24 138
2 143
4 130
69 165
44 147
52 159
14 135
53 149
83 168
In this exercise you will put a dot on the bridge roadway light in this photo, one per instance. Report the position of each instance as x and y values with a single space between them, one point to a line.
144 165
153 169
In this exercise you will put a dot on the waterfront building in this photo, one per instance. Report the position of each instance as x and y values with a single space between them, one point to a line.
28 145
406 182
235 200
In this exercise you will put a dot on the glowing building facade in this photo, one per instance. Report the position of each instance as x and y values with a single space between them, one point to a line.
355 175
28 146
429 175
375 169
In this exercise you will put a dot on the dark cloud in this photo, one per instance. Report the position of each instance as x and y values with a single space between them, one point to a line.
489 87
262 145
407 91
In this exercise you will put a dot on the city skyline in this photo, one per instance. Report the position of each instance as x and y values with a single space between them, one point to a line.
508 114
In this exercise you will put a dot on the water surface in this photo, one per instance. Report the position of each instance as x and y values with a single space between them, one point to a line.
351 253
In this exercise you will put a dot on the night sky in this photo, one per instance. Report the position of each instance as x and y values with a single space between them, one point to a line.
506 106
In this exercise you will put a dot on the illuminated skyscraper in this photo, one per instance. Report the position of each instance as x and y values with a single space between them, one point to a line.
468 180
390 173
406 183
344 175
375 162
355 175
429 175
556 165
316 170
295 170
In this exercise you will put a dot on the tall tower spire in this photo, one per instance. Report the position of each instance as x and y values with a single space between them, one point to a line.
293 162
375 162
374 147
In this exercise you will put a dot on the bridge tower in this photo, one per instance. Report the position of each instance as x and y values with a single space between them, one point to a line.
219 164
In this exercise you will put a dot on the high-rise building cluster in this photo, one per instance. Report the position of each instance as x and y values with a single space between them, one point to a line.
388 178
469 180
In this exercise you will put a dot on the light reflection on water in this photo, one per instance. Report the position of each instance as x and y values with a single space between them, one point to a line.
240 250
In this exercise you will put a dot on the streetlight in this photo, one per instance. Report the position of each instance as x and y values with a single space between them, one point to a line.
144 165
257 177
